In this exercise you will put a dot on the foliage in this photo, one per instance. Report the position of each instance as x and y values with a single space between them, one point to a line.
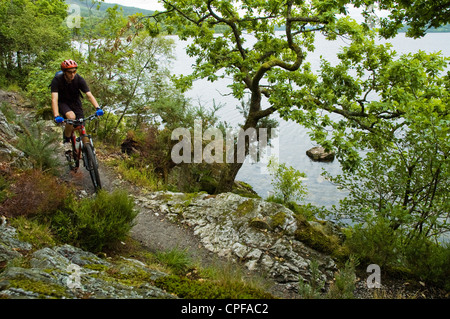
153 144
35 193
345 281
313 288
429 261
287 182
99 8
127 75
374 242
175 259
101 221
405 182
4 184
341 288
262 67
94 223
187 288
39 146
139 173
30 33
33 231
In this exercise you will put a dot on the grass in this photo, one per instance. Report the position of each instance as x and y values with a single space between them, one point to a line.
175 259
34 232
142 177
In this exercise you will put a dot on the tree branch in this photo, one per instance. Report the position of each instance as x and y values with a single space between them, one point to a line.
233 27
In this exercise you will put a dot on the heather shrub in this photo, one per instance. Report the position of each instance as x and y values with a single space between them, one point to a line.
35 193
95 223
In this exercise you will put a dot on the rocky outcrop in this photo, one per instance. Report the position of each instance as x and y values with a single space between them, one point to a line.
264 236
9 154
70 273
320 154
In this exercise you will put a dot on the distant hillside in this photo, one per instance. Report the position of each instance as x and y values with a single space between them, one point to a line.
99 9
445 28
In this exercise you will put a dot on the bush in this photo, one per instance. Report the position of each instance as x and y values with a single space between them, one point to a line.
419 257
429 261
35 193
96 223
375 242
287 182
345 281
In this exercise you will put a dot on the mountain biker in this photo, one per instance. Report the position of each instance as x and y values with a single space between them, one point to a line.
66 91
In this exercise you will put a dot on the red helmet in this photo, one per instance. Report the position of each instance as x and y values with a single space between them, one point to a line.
68 64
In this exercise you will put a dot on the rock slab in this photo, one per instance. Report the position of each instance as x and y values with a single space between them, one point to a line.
260 234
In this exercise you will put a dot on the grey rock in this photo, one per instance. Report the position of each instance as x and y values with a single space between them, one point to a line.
244 229
69 272
319 154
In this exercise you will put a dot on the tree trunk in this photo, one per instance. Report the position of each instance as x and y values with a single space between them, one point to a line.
229 173
228 177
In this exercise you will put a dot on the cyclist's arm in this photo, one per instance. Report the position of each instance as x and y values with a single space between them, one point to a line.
92 99
55 104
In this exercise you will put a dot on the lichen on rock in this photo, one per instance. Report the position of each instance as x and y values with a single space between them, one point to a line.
263 235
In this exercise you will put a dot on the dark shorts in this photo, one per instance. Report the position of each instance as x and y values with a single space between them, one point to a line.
76 108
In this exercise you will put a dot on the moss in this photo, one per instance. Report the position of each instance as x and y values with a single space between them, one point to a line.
164 196
278 219
42 289
131 279
245 190
313 237
245 207
204 289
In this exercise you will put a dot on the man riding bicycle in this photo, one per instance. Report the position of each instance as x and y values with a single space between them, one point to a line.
66 91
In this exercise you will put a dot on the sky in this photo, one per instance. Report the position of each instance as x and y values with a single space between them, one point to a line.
143 4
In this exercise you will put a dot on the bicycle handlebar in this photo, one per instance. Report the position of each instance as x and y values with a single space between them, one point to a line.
81 121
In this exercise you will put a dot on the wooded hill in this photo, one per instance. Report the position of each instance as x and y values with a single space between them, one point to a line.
99 8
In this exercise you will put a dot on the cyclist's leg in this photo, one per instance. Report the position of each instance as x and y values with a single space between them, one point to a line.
67 112
69 128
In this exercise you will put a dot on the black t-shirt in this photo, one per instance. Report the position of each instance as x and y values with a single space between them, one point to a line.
69 93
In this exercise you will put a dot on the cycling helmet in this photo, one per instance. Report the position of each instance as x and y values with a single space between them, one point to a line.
68 64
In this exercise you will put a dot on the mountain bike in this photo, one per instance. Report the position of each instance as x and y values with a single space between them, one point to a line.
83 148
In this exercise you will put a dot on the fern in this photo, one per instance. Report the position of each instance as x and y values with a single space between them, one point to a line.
39 146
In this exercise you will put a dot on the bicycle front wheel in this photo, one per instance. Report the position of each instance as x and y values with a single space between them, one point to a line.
92 166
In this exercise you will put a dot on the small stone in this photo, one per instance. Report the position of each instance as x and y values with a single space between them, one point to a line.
320 154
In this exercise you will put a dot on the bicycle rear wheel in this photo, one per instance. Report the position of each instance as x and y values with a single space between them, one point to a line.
91 164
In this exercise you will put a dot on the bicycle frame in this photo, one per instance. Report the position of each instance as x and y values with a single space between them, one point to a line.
84 150
83 137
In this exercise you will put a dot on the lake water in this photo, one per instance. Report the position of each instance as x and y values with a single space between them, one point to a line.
293 139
